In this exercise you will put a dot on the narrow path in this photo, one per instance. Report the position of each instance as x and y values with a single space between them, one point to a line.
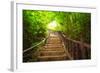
53 49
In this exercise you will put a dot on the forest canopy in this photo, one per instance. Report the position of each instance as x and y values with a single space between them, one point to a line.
36 23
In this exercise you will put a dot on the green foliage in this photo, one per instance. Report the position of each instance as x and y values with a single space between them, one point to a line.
74 24
35 26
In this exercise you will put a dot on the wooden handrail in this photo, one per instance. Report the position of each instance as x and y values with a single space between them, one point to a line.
34 45
78 42
76 49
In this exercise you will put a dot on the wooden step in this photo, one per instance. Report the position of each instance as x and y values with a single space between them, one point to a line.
52 49
59 44
51 53
51 37
54 42
52 58
56 38
54 46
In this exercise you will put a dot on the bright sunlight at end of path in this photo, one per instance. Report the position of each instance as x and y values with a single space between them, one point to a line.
52 25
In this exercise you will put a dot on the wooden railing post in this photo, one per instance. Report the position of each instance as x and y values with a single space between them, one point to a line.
82 48
77 49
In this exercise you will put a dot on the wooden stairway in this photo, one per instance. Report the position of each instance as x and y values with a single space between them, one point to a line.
53 49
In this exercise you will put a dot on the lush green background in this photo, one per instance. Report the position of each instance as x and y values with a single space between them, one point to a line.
75 25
